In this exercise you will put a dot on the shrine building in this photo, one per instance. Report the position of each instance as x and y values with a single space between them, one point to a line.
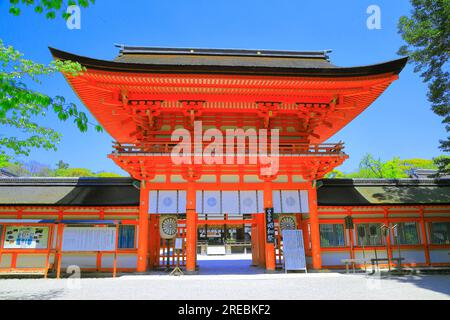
170 212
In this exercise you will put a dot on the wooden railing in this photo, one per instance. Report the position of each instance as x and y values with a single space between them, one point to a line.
164 146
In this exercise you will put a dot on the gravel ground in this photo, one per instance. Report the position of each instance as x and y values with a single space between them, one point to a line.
224 287
229 280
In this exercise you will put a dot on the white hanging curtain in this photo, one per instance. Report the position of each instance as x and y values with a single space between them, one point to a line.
290 201
248 202
211 202
230 202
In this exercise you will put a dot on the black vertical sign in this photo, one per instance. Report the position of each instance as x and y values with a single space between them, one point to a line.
270 226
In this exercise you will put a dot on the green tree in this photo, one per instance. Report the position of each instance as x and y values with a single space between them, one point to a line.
427 37
48 7
17 169
335 174
443 165
417 163
74 172
62 165
108 175
21 107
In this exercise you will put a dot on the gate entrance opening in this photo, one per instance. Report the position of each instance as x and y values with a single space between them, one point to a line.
224 245
224 237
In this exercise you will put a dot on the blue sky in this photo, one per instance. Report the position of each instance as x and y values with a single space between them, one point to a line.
400 123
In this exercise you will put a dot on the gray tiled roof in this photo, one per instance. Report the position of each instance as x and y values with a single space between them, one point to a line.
224 57
124 191
228 61
68 191
384 191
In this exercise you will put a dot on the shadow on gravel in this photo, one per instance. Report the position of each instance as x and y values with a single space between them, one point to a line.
14 295
439 283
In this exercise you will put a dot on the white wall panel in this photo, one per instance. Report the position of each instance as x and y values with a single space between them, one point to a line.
440 256
82 261
410 256
334 258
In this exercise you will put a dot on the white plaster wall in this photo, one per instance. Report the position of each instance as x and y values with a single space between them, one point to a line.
440 256
82 261
123 261
334 258
410 256
370 254
6 260
31 260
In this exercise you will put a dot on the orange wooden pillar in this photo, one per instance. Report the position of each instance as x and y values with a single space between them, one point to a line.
269 247
255 241
142 250
191 228
152 245
315 230
58 249
424 238
261 240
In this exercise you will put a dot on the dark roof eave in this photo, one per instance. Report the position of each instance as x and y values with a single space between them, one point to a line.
384 182
394 204
393 67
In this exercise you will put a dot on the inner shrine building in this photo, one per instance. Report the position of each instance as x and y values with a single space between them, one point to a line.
169 211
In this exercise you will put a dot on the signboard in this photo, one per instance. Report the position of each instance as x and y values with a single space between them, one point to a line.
23 237
89 239
293 250
270 225
348 222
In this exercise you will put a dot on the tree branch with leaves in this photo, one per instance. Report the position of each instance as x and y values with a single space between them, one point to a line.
427 36
48 7
21 108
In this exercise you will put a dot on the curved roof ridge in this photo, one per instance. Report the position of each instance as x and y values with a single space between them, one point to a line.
129 49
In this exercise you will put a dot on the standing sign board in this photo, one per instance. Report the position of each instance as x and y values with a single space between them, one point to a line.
270 226
293 250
